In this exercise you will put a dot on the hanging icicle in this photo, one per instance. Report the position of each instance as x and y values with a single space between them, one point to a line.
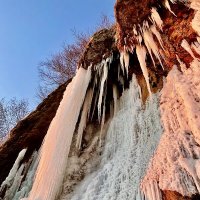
187 47
124 60
103 81
166 3
151 45
56 145
115 96
141 54
156 18
84 116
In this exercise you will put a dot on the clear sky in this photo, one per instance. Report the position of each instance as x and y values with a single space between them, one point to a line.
33 30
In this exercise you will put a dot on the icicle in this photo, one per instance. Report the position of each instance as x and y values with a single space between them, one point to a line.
182 64
56 145
115 95
124 60
186 46
196 47
84 114
10 178
166 3
151 45
102 120
141 54
103 81
156 18
157 34
10 193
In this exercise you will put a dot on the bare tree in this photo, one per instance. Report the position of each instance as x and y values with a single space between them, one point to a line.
11 112
62 66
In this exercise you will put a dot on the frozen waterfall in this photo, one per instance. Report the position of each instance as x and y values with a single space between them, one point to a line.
132 137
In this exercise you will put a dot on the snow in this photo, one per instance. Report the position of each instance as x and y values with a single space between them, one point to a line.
131 139
176 163
141 54
56 145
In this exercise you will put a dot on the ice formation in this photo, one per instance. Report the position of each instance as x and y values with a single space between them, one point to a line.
176 164
56 145
20 179
84 117
148 148
131 139
141 54
124 60
104 67
156 18
10 178
28 176
187 47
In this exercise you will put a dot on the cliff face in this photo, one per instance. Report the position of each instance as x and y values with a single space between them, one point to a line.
135 131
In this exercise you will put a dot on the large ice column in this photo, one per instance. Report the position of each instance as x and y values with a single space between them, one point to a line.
176 164
56 145
131 139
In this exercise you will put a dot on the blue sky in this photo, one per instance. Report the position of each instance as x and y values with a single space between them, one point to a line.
33 30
